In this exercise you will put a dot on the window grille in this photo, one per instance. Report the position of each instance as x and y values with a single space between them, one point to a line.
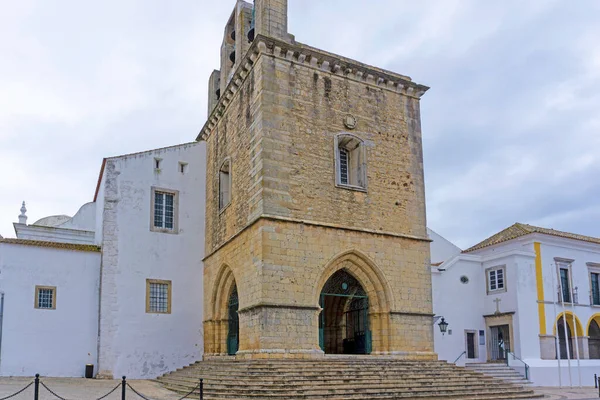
344 167
350 162
163 210
158 300
45 298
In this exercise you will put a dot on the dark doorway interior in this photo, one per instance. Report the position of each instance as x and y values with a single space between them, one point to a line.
344 320
233 331
471 345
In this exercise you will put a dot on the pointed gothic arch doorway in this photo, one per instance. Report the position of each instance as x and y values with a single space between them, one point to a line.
233 323
344 320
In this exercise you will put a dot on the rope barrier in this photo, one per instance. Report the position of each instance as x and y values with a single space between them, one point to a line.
51 391
138 393
18 393
147 398
191 393
109 393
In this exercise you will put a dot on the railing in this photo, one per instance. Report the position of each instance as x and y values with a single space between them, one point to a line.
123 385
459 357
514 357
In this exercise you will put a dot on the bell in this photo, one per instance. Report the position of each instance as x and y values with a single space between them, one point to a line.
232 57
251 34
233 35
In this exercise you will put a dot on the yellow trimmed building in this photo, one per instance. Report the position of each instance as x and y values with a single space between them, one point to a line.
526 296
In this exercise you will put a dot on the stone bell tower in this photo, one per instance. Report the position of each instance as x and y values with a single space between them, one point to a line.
316 237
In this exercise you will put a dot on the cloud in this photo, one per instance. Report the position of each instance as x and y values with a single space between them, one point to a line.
510 126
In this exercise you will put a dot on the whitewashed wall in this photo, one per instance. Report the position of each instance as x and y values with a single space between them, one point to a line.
56 342
132 342
456 302
441 249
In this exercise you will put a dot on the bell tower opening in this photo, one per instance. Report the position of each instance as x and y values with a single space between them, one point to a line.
344 319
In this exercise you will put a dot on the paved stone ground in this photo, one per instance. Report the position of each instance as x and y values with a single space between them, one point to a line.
84 389
569 393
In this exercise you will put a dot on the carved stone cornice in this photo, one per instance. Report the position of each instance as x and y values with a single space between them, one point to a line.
313 58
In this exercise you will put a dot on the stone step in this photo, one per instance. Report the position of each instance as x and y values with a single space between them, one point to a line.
333 383
348 391
274 380
337 379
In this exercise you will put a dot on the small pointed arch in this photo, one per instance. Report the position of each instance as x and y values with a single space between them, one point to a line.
593 318
572 323
366 272
225 183
224 285
593 334
350 161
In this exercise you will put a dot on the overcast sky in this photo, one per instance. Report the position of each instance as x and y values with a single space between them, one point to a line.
511 126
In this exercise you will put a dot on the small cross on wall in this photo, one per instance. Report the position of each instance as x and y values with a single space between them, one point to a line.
497 301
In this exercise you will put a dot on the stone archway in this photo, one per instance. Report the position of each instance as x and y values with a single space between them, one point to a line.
370 279
217 330
344 319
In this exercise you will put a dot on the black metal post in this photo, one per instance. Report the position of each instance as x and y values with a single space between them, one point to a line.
596 381
123 388
201 389
36 387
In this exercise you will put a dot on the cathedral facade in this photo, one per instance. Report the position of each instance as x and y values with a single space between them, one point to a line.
316 239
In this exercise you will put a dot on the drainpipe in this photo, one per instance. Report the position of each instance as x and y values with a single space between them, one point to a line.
1 320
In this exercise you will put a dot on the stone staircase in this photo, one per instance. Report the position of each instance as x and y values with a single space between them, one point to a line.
362 378
498 371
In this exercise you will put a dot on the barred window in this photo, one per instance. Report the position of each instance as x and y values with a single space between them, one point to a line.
350 160
158 296
164 210
45 297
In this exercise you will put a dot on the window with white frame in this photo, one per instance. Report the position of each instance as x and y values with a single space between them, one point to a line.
158 296
350 157
164 210
594 269
496 279
225 184
45 297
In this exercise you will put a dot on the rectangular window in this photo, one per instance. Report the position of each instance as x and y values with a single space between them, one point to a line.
496 279
158 296
45 297
565 285
164 210
344 179
595 276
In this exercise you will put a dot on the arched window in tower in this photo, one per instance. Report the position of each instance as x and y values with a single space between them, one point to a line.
350 161
225 184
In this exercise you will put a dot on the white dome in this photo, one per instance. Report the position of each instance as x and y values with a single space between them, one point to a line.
53 220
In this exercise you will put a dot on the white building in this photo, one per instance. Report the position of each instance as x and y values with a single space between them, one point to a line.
119 284
511 292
